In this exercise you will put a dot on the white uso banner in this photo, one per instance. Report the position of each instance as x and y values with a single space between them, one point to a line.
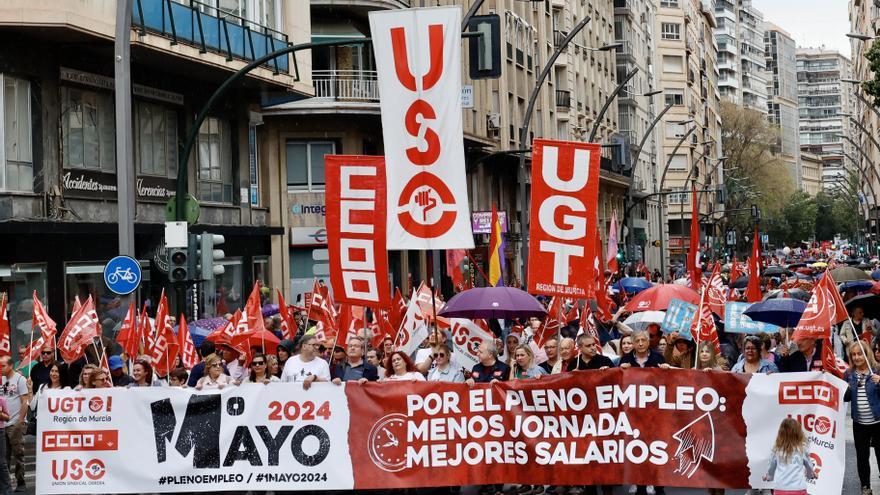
252 437
418 59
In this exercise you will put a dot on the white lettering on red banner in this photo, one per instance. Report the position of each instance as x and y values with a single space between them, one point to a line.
420 84
565 192
356 229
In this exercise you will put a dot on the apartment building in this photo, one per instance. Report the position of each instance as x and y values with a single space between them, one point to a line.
862 16
637 108
782 103
741 60
811 173
691 134
58 186
343 117
821 102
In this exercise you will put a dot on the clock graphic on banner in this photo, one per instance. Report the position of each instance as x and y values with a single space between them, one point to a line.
386 443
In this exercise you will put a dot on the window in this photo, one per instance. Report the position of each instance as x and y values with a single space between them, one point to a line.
228 287
305 164
680 198
214 161
672 63
155 139
87 130
669 3
18 282
678 162
675 131
674 97
670 30
16 157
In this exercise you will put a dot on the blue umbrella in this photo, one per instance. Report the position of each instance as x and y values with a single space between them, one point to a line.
633 285
784 312
857 285
875 274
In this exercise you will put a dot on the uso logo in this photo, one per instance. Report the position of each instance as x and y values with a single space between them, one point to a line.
77 469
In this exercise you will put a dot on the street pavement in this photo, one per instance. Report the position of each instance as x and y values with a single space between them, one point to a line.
850 482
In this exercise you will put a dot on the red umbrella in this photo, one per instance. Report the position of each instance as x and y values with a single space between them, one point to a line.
657 298
805 271
263 339
875 289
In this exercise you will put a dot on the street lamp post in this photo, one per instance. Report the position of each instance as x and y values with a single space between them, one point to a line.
524 133
608 101
660 188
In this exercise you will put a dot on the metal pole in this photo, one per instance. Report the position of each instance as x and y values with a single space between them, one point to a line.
523 135
470 13
662 199
608 101
125 173
870 183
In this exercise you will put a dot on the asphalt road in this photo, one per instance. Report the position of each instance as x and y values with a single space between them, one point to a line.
850 483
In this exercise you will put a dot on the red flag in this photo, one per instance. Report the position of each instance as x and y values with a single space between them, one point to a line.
147 332
32 354
574 313
41 319
288 323
830 362
79 332
430 304
320 308
817 318
703 326
693 255
188 355
5 346
128 336
380 328
611 257
716 296
840 313
349 324
254 311
398 309
414 329
551 325
165 346
753 291
454 257
76 305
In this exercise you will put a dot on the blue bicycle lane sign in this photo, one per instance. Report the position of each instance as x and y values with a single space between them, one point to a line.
122 275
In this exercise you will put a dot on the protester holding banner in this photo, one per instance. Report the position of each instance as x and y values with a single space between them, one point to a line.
864 395
625 346
566 353
375 357
489 369
808 356
641 356
306 367
84 376
708 359
142 373
214 377
205 349
260 370
354 368
444 370
402 368
39 374
99 378
272 366
589 358
752 362
681 353
551 349
524 364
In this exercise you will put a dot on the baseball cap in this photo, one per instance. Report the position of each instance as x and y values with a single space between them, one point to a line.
115 362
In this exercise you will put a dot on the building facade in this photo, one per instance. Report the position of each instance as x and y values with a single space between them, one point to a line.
741 61
343 118
634 23
862 16
690 141
821 102
811 173
782 103
58 185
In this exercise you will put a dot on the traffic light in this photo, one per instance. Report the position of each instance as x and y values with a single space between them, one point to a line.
178 264
208 256
485 50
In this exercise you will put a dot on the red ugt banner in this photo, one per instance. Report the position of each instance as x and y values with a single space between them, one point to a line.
565 191
356 211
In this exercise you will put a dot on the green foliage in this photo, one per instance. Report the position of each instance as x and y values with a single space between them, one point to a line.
872 87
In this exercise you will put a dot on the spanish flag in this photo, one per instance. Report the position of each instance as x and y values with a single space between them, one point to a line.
496 251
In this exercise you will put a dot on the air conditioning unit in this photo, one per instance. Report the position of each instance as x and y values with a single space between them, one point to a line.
493 121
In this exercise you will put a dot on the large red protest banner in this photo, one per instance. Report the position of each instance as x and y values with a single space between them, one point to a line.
356 229
638 426
563 221
418 60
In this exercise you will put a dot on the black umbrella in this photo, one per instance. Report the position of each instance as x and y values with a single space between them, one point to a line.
798 294
796 265
775 271
870 303
740 283
864 266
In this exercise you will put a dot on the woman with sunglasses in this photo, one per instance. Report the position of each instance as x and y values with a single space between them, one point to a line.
444 370
214 377
260 371
99 378
84 376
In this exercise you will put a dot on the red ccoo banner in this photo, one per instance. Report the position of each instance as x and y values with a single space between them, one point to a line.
356 229
565 191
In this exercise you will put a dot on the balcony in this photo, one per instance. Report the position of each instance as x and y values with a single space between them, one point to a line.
558 37
563 99
337 92
210 29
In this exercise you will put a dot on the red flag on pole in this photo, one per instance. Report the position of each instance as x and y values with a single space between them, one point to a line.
188 355
146 332
5 346
716 296
288 323
551 325
165 346
128 336
753 291
693 255
254 311
41 319
79 332
703 326
398 309
611 257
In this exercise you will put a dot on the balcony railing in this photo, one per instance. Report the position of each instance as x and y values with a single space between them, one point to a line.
558 37
210 28
563 98
346 85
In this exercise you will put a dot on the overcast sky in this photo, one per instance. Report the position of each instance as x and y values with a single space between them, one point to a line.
812 23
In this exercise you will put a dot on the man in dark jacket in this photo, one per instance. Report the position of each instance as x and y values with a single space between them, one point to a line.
808 357
354 367
589 357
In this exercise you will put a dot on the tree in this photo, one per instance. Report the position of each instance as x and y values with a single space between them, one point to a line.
872 86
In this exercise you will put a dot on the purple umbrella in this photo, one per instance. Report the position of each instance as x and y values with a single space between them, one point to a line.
493 302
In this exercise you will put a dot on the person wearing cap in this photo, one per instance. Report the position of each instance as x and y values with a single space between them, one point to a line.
119 378
681 353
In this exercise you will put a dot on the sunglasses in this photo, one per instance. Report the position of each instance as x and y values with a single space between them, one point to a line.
258 363
439 354
47 353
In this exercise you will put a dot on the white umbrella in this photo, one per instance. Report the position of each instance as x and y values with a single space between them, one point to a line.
641 320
